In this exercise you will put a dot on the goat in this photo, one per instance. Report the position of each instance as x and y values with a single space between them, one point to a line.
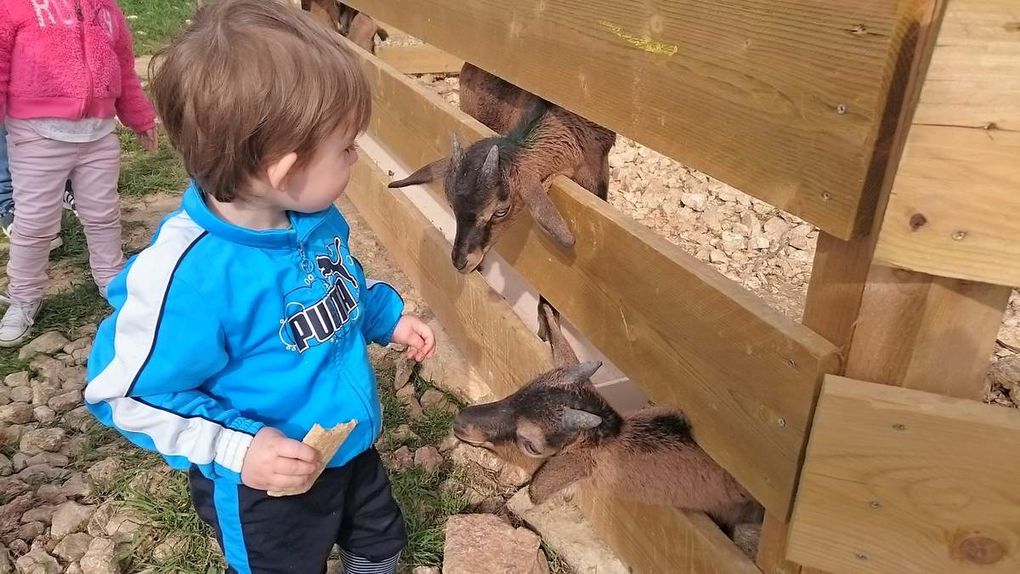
559 427
359 28
490 182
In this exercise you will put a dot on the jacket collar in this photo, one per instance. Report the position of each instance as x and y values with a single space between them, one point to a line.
301 224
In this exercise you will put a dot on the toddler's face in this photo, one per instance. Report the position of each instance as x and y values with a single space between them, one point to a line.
323 179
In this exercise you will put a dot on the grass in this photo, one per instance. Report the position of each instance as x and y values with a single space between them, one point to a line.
426 507
154 23
66 312
144 173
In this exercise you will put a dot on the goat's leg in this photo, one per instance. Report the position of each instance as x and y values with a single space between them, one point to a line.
556 474
550 331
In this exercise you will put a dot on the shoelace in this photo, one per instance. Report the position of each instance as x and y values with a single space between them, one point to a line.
24 310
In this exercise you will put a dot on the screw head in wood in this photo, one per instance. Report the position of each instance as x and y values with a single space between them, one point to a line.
841 109
959 235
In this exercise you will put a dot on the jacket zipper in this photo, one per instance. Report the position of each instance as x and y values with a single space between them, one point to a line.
84 55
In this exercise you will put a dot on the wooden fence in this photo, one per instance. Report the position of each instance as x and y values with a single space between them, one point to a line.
892 125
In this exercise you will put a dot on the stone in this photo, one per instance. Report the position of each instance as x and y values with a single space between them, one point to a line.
18 547
6 466
449 443
21 394
434 399
38 514
717 256
19 461
478 543
426 570
105 471
333 567
78 344
428 458
77 486
46 344
50 459
566 531
402 458
75 568
43 392
44 414
123 526
465 454
65 402
6 566
17 413
405 392
775 228
70 517
168 548
513 476
31 531
404 369
42 440
37 562
48 368
51 494
695 201
78 419
100 558
413 408
19 379
403 434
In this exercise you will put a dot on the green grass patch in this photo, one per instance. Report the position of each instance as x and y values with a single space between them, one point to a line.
143 173
426 507
10 363
66 312
153 23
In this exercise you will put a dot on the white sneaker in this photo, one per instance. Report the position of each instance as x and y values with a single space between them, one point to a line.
17 322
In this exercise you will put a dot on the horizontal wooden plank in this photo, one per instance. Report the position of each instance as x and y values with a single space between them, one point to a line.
782 99
497 344
744 374
419 59
660 539
954 209
902 481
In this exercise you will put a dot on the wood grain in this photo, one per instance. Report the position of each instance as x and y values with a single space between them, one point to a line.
782 99
955 207
744 374
419 59
906 481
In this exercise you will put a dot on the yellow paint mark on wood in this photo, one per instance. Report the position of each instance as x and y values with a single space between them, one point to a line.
645 43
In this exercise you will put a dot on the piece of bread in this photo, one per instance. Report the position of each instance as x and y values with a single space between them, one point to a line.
327 442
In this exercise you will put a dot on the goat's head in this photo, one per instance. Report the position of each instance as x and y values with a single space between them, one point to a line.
551 413
487 192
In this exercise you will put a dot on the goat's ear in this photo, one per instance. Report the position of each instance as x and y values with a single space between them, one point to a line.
577 420
429 173
491 166
545 213
458 151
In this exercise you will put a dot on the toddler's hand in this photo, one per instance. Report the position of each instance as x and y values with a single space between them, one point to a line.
149 139
275 462
411 331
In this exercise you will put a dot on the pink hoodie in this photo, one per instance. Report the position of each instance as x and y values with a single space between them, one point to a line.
69 59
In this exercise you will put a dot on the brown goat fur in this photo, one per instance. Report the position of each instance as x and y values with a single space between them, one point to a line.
490 182
560 424
359 27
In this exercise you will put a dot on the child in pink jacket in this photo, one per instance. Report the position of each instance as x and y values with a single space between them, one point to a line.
67 70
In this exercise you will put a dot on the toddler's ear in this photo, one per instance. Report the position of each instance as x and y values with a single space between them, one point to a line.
277 171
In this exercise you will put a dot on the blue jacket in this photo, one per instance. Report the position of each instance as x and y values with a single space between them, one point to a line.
219 330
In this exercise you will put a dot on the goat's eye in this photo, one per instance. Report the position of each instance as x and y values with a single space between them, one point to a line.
501 213
530 447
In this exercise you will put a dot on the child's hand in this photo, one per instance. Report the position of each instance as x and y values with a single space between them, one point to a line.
421 343
149 139
275 462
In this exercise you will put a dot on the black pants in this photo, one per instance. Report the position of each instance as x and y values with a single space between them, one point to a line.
351 506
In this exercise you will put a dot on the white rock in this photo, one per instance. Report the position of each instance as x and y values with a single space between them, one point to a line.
37 562
70 517
100 558
47 344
